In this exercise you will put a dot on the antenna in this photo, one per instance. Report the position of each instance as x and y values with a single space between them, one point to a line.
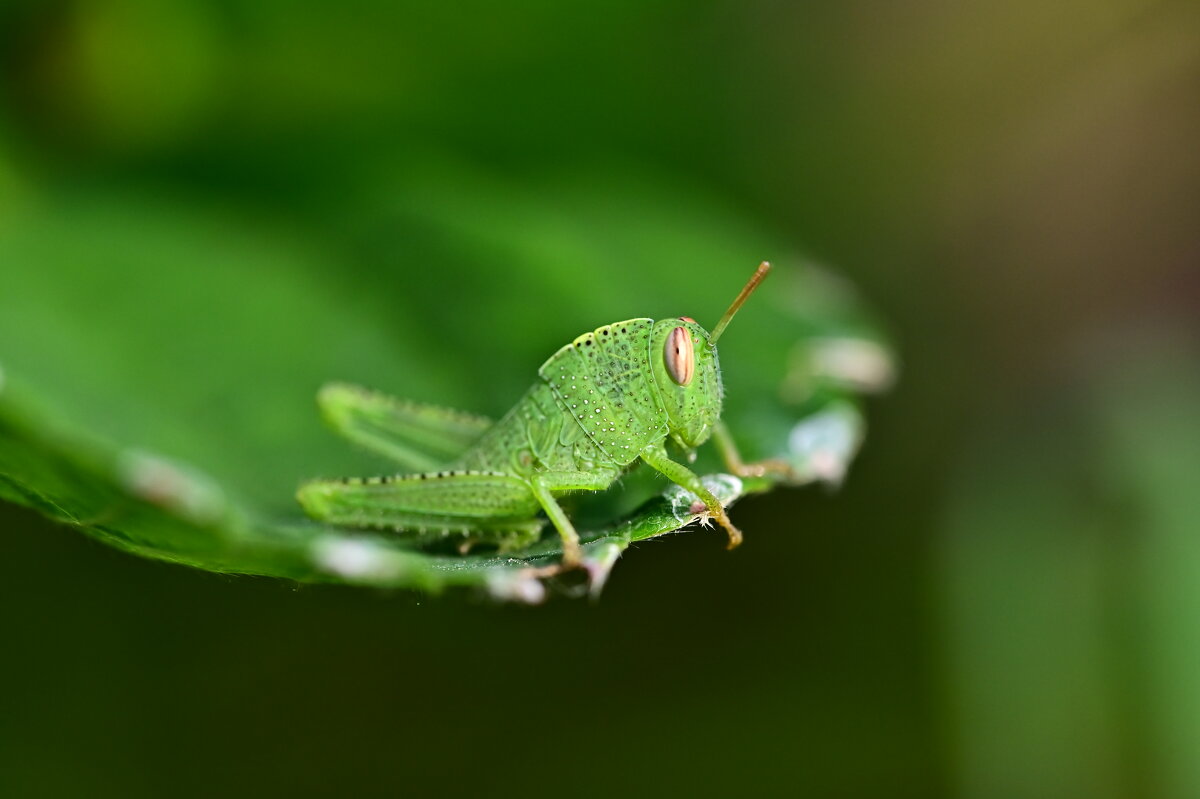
747 290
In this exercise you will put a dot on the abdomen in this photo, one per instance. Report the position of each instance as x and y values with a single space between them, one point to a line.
535 436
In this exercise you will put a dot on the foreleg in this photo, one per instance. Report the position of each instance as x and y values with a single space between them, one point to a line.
656 457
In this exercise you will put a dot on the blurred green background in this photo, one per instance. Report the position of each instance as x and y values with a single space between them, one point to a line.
1002 601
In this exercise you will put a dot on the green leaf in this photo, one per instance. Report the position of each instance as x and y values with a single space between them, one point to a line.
160 358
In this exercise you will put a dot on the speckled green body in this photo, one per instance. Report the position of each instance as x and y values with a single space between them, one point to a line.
599 404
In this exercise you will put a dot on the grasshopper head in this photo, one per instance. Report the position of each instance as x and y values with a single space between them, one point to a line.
687 378
687 375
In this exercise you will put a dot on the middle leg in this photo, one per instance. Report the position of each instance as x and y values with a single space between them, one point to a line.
544 484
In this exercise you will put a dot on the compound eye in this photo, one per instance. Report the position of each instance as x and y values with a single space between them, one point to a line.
680 357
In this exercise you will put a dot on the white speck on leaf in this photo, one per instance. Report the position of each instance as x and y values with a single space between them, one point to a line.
854 362
356 559
172 486
599 563
822 446
513 586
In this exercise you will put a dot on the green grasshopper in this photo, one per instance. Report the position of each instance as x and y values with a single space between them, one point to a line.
608 399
